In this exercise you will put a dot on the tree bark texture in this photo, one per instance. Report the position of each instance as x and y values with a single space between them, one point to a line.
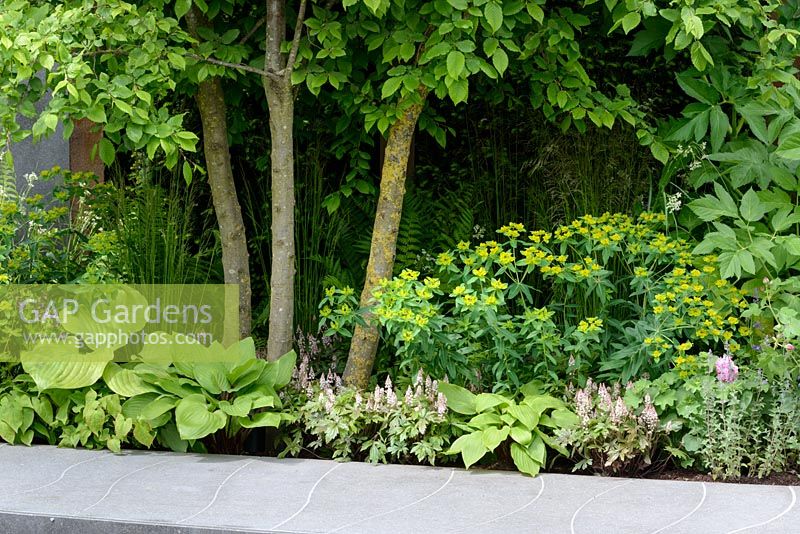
383 248
280 100
235 258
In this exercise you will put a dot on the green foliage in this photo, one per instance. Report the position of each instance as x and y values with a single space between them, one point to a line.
605 295
744 428
748 427
613 438
394 53
164 236
8 177
42 241
90 53
207 399
387 425
522 424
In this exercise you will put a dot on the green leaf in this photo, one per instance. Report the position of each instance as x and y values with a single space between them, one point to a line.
563 418
660 152
470 446
493 12
525 414
630 21
692 23
391 86
196 419
752 209
262 419
524 462
182 7
537 450
754 115
455 64
106 151
697 88
458 91
279 372
536 12
540 403
96 114
143 433
187 173
485 401
62 366
500 60
212 377
719 127
459 399
700 56
790 147
521 435
493 437
125 382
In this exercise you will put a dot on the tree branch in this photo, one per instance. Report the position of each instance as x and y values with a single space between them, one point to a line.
298 33
253 30
237 66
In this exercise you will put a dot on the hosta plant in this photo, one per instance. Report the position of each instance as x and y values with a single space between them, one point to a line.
522 423
207 401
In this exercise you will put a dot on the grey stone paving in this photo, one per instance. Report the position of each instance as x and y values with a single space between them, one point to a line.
46 489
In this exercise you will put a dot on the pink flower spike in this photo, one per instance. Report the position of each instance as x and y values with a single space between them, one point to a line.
727 371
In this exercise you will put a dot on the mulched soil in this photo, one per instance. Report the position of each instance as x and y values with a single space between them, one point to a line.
776 479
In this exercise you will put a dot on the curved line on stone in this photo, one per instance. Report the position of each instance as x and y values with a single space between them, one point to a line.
59 479
308 499
498 518
452 473
791 505
216 493
117 481
702 500
581 507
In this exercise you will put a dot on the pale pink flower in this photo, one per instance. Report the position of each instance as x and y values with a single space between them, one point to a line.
727 371
441 404
619 411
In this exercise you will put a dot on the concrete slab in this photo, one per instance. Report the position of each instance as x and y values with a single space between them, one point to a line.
46 489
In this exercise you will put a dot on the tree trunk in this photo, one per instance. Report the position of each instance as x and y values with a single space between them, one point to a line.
211 103
384 239
280 100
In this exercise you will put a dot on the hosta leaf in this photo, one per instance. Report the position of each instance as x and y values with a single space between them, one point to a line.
492 437
212 377
563 418
261 419
485 401
459 399
527 415
125 382
278 373
524 462
521 435
64 367
195 419
471 448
